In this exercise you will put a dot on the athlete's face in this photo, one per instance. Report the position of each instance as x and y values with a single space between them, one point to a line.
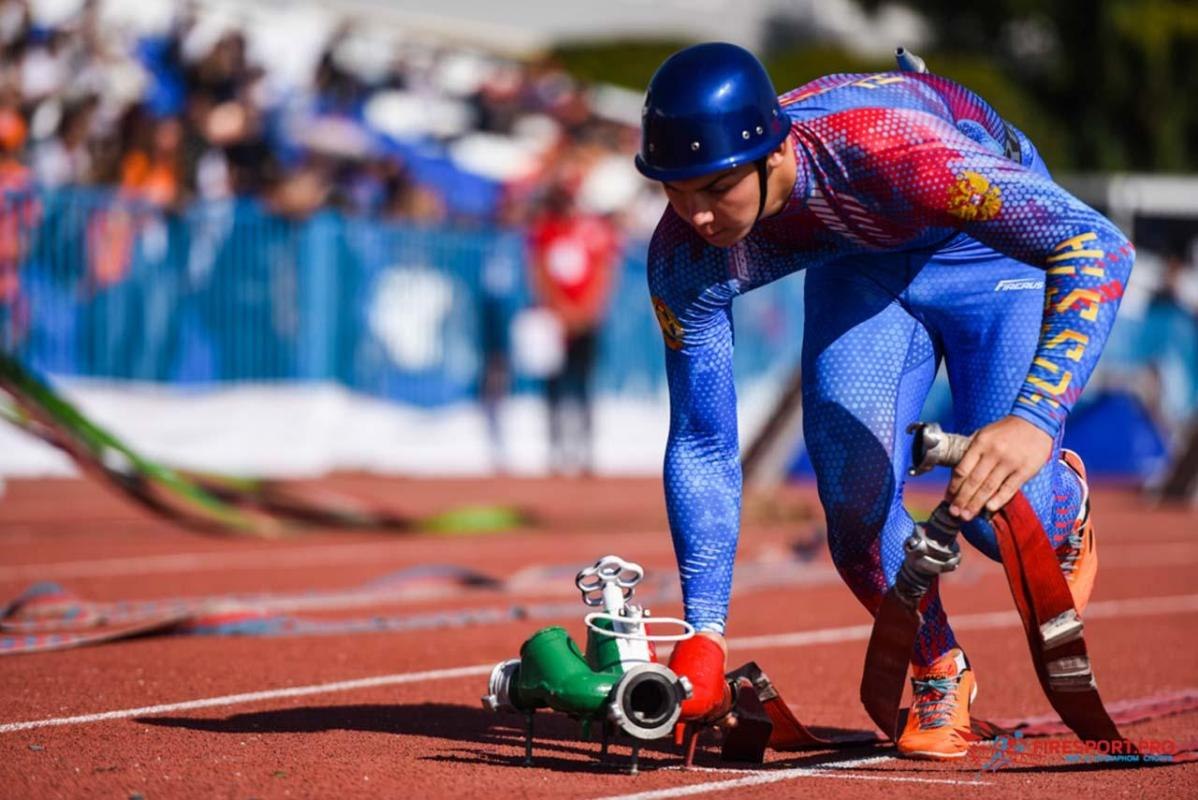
721 207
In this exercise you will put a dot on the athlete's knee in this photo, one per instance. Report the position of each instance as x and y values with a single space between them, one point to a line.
856 509
853 470
857 522
853 530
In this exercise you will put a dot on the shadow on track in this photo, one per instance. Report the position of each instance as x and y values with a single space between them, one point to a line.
559 745
442 720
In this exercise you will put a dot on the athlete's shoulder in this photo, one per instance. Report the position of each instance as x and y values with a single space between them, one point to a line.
674 240
681 265
670 234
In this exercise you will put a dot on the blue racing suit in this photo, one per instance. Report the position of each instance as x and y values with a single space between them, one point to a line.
930 230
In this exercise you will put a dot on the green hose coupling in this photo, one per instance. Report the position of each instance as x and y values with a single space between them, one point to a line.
644 700
617 680
554 673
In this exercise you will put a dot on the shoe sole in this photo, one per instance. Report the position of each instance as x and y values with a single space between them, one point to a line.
931 755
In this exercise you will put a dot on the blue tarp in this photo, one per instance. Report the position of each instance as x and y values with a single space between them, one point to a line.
1117 437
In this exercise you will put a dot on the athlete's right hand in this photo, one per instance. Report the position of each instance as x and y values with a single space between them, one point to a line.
1002 457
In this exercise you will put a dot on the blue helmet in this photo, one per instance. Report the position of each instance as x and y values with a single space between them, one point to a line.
709 107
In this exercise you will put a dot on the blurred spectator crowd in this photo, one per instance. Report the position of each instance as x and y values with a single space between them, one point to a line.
296 110
392 128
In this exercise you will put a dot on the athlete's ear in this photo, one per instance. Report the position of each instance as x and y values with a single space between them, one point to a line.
779 153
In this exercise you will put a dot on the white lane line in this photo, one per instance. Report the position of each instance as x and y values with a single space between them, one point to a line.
1150 555
823 765
1001 619
367 552
1100 609
270 558
253 697
762 777
198 562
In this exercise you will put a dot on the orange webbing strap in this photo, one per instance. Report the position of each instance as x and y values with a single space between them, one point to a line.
755 690
761 719
1053 628
749 725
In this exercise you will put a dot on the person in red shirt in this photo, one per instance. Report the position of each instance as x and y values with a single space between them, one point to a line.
18 215
572 257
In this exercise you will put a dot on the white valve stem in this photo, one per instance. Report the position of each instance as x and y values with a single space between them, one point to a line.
613 598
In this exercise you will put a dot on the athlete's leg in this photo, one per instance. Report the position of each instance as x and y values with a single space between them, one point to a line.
587 345
555 400
867 367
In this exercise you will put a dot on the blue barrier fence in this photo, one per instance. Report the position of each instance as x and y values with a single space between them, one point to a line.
226 292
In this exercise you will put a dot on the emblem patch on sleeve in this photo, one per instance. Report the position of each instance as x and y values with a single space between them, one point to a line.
671 328
973 198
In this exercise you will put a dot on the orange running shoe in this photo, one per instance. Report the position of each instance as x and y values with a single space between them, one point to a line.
938 722
701 659
1078 554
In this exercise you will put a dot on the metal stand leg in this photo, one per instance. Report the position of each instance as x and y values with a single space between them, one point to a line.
606 734
636 752
690 740
528 739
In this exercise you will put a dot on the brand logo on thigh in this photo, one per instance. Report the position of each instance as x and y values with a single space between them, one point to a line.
1018 284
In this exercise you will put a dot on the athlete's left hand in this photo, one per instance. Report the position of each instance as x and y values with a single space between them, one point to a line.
1001 458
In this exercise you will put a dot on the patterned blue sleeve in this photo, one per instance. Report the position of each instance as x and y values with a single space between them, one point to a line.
693 302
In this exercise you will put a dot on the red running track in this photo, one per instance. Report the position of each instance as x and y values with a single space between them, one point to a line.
397 714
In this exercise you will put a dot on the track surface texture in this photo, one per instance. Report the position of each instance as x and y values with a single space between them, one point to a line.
396 713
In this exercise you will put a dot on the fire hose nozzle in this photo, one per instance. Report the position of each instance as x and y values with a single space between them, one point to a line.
933 447
647 701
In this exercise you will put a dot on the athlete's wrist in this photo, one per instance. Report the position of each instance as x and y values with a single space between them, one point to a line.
1043 420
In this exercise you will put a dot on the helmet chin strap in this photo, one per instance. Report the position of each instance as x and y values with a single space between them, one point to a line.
762 186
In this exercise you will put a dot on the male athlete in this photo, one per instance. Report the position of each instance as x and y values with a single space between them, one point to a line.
929 229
